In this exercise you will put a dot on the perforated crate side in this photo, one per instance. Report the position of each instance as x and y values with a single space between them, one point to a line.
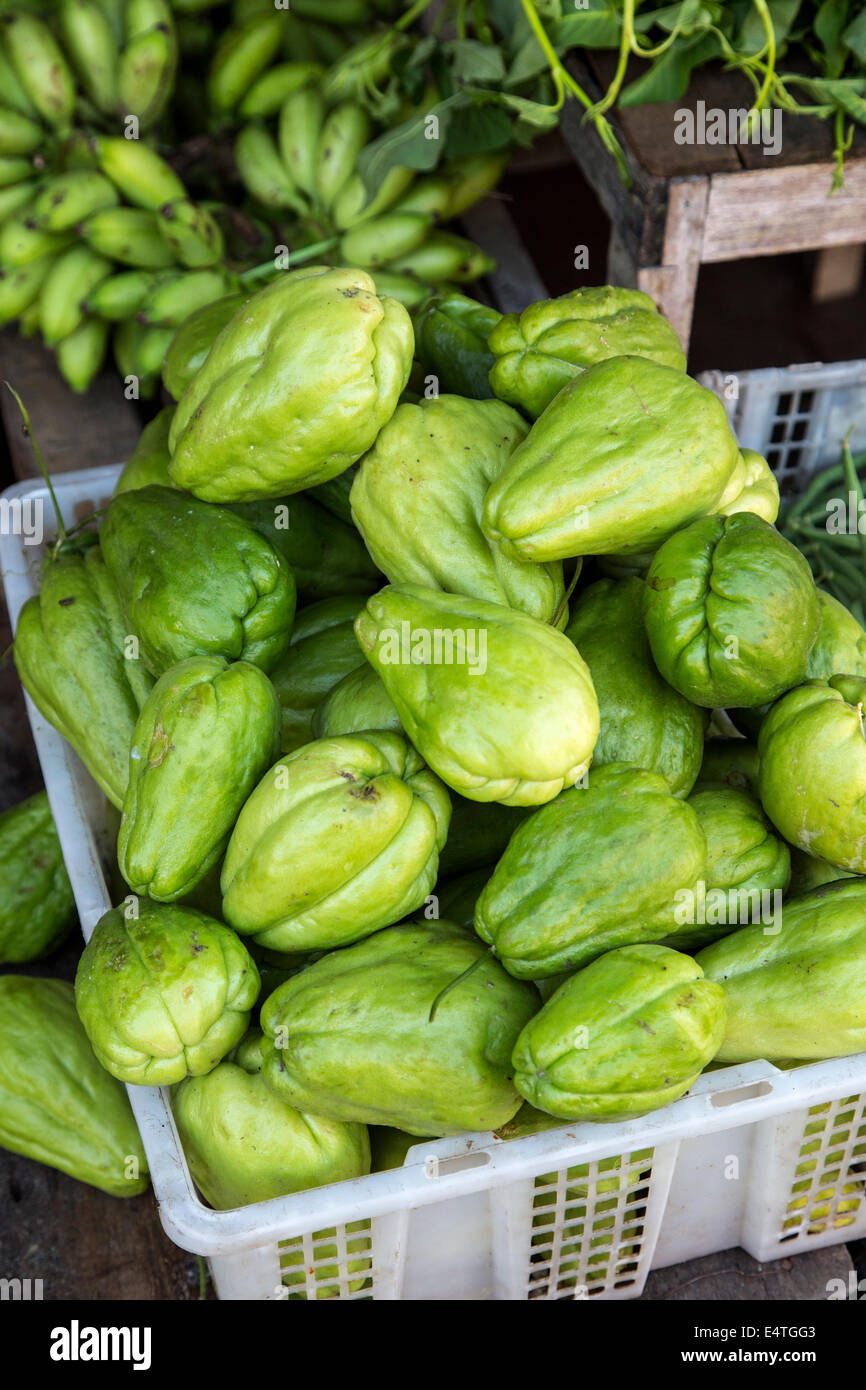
807 1180
583 1232
795 416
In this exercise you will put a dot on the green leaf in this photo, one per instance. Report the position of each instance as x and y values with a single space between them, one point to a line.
752 36
668 77
473 61
854 37
531 113
829 23
597 26
408 144
483 128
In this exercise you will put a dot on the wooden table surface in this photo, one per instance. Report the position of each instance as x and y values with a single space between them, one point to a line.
80 1242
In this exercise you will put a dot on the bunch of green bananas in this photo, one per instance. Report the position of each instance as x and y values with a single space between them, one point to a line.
110 239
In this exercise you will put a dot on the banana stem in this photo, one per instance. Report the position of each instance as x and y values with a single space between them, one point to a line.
301 257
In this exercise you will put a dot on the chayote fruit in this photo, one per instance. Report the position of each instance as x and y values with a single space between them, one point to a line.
601 866
729 762
840 647
71 649
451 332
798 994
752 488
295 388
500 705
747 867
643 719
356 703
196 580
340 838
244 1144
207 733
478 834
148 463
731 612
57 1104
628 1034
165 994
352 1038
624 455
808 873
323 649
37 909
812 748
538 352
326 556
419 494
191 344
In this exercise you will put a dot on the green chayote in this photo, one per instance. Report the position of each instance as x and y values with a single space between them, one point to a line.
643 719
752 488
37 909
418 497
75 662
340 838
731 612
601 866
148 463
812 748
500 705
358 702
840 647
326 556
351 1037
196 580
323 649
538 352
623 456
163 994
207 733
295 388
629 1033
57 1104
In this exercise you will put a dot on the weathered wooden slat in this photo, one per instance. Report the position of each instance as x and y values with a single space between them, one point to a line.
766 212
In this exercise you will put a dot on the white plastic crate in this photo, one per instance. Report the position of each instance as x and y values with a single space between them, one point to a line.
771 1160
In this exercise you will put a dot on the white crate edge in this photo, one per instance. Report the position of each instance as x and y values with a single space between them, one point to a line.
435 1170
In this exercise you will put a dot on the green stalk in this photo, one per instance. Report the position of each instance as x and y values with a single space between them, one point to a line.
62 534
301 257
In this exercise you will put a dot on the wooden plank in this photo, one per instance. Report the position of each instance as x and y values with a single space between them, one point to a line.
766 212
73 431
838 272
734 1275
673 284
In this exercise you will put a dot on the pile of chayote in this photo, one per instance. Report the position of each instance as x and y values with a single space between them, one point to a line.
418 707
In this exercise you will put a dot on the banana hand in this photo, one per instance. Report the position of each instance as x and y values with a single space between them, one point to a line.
384 239
344 134
444 256
143 177
302 116
121 296
170 304
243 53
352 207
68 199
128 235
268 92
263 172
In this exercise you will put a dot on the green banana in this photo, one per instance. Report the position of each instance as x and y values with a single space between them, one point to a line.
140 16
40 67
28 320
444 256
19 134
122 296
351 204
170 303
263 172
15 169
74 273
82 353
138 352
408 289
384 239
21 242
431 194
90 42
14 94
128 235
300 127
15 196
191 233
243 53
68 199
20 287
270 90
471 178
145 75
143 177
115 13
344 134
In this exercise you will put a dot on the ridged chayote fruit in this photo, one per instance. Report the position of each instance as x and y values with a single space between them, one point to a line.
37 908
323 648
209 730
351 1037
196 580
840 647
419 495
57 1104
622 457
244 1144
601 866
358 702
164 994
731 612
798 994
326 555
538 352
339 838
148 463
643 719
500 705
628 1034
752 488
